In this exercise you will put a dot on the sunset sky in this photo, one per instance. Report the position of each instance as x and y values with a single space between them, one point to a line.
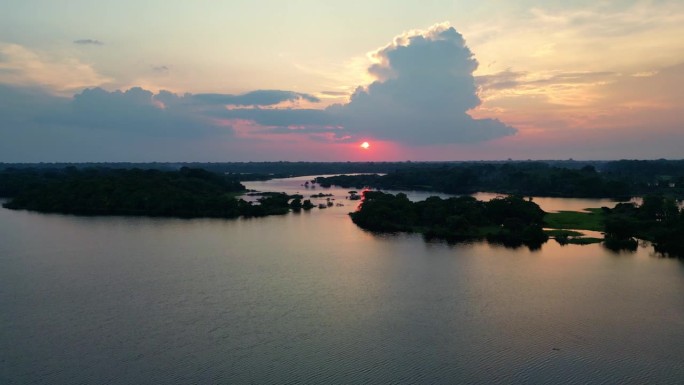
171 80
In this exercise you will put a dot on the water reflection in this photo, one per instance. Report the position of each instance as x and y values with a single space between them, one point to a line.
296 186
311 298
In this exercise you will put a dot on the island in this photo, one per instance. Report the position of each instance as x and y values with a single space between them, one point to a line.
512 221
187 193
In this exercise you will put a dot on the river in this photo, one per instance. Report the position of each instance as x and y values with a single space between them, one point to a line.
311 298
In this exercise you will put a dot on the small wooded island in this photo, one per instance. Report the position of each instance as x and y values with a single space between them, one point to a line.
511 220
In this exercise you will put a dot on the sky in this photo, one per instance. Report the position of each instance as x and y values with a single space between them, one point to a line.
212 81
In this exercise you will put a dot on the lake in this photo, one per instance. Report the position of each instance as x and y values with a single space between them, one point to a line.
311 298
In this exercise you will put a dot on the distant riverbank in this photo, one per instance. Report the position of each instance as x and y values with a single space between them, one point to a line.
192 193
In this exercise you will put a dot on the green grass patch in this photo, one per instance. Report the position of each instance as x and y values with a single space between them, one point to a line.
591 219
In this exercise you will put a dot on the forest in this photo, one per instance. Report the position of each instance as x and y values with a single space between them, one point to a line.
167 190
188 192
620 181
512 221
566 178
658 220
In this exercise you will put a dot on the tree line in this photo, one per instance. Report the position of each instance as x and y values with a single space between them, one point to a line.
658 219
533 178
188 192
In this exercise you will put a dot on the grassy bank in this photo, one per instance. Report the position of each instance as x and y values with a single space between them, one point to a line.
589 219
562 226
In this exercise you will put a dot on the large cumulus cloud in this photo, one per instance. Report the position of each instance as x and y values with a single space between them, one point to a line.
423 91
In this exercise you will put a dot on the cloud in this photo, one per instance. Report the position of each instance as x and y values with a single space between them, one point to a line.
518 79
139 111
422 94
283 117
663 86
255 98
335 93
99 125
135 112
88 42
139 125
618 36
161 69
423 91
561 88
21 66
26 104
599 115
503 80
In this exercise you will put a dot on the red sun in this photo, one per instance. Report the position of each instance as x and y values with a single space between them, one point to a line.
365 145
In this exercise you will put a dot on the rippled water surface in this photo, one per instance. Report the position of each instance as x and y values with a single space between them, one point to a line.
311 298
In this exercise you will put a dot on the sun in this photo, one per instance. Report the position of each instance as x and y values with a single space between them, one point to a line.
365 145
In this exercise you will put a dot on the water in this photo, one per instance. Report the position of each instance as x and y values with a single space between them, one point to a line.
311 298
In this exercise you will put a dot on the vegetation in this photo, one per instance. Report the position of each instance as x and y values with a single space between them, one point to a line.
511 221
527 179
170 190
617 179
565 237
250 170
514 221
184 193
589 219
658 220
649 177
568 178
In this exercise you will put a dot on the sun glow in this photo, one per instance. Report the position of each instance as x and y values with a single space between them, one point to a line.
365 145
